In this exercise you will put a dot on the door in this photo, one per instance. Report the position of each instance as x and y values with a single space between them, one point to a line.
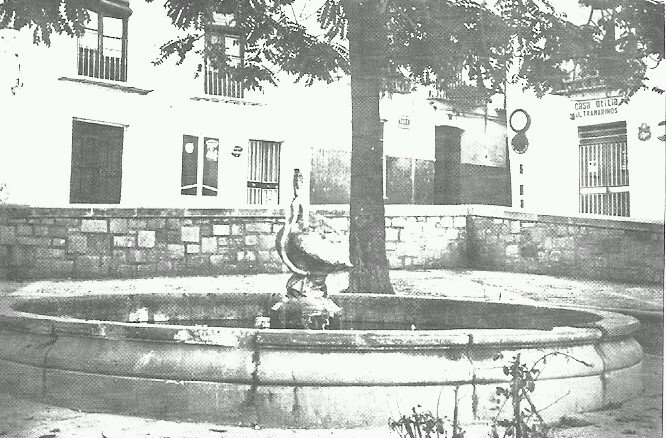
604 171
447 184
96 173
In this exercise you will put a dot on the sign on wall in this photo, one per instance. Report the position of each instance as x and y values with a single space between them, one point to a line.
595 107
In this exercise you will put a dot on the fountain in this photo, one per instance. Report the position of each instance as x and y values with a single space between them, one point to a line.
204 357
311 248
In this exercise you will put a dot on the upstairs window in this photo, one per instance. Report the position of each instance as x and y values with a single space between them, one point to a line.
102 49
222 40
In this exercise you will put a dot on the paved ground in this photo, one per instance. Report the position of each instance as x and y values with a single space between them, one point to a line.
641 417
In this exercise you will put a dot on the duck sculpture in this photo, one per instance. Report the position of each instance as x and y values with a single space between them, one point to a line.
311 248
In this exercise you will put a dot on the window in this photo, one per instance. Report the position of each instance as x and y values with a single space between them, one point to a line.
603 170
102 49
199 172
263 173
216 82
96 163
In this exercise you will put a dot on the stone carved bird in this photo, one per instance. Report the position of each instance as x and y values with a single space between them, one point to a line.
311 249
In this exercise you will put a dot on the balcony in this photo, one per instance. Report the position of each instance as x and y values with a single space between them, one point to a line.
580 85
458 93
93 64
218 83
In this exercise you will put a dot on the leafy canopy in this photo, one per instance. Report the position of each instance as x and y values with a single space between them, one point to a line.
432 41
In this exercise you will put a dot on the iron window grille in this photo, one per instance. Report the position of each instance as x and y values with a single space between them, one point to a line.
604 171
263 170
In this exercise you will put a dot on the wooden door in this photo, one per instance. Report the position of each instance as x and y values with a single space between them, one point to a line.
96 174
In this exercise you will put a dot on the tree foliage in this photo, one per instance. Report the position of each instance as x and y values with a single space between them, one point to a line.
440 42
430 40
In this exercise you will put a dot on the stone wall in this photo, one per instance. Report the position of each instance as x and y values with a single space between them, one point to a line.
583 247
426 241
104 243
85 243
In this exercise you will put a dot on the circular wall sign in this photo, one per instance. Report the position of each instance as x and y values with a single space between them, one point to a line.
519 120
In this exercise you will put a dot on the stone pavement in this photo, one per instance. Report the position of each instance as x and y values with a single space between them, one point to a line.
641 417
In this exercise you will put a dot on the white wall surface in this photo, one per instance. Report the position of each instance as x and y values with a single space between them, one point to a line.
550 164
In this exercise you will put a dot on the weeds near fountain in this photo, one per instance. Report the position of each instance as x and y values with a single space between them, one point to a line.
525 420
423 424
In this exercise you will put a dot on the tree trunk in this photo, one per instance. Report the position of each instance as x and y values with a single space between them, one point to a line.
367 51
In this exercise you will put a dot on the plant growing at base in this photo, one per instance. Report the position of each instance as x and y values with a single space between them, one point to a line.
423 424
525 420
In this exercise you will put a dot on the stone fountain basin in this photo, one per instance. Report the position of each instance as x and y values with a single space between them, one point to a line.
142 355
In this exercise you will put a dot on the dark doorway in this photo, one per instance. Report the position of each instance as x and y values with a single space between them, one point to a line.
447 181
97 152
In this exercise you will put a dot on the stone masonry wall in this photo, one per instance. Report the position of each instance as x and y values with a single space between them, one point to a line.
40 243
78 243
594 248
426 241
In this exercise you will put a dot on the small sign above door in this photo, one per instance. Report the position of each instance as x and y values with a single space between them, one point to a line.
595 107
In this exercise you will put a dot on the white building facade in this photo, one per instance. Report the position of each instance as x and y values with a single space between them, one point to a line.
93 121
590 152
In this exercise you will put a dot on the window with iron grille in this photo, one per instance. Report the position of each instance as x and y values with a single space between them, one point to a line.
199 174
102 49
263 170
218 82
604 172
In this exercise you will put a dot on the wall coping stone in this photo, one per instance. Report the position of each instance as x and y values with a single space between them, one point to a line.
622 223
501 212
15 211
489 211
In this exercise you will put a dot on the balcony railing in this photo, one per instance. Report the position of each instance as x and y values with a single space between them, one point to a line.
398 85
218 83
94 64
459 92
579 85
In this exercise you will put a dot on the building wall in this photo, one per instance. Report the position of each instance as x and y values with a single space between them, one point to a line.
156 106
550 177
485 185
551 164
115 242
410 121
160 103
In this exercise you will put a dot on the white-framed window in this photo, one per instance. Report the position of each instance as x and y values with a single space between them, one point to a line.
199 174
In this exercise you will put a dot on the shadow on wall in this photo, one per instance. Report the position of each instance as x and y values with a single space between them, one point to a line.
411 181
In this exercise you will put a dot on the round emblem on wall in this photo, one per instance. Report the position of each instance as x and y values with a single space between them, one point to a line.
520 122
644 133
